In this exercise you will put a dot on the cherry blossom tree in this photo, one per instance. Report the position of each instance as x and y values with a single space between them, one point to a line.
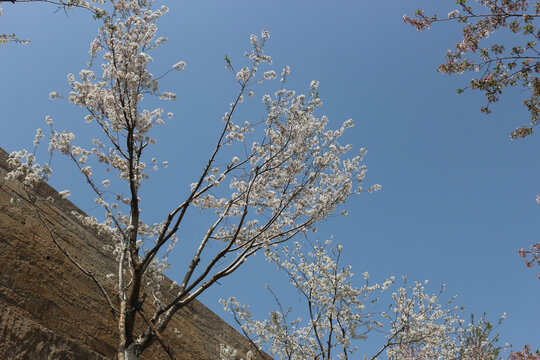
340 317
498 65
290 174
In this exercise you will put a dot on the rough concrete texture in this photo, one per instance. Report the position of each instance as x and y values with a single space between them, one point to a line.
51 310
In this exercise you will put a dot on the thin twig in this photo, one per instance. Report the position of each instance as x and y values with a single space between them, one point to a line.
73 261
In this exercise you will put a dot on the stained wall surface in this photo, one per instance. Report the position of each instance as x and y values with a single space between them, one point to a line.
50 310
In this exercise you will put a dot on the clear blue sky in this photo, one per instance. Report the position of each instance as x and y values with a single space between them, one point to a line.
458 197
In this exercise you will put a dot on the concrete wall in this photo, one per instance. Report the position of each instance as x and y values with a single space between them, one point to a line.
50 310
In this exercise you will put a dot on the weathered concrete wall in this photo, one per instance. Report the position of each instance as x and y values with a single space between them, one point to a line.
50 310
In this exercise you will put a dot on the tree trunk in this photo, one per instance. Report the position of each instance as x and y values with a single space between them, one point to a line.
131 352
122 331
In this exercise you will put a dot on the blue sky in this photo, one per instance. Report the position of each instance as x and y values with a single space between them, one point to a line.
458 196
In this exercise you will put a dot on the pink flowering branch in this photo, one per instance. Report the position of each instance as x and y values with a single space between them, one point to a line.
500 65
525 354
532 256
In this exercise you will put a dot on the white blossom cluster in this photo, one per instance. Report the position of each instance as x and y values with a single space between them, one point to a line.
25 170
6 38
417 326
336 310
421 325
295 176
227 352
422 328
